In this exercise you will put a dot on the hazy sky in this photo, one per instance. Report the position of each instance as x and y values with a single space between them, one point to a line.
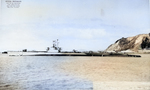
78 24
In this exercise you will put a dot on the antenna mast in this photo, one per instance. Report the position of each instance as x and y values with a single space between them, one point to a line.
57 43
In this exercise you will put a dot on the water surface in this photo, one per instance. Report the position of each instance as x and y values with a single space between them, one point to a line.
38 73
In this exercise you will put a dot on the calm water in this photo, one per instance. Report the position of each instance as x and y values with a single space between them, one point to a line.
38 73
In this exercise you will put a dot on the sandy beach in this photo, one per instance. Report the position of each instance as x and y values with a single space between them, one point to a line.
115 73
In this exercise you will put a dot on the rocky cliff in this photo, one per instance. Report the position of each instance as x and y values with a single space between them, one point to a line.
134 43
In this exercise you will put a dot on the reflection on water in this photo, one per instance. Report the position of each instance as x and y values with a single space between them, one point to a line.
38 73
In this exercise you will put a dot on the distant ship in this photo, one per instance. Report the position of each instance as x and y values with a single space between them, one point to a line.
55 50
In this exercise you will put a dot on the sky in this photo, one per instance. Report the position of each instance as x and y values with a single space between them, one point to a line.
78 24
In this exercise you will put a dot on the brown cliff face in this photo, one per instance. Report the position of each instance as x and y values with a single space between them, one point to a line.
135 43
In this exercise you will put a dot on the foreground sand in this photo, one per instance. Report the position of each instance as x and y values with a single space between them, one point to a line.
112 73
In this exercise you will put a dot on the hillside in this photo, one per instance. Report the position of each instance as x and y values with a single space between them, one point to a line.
134 43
